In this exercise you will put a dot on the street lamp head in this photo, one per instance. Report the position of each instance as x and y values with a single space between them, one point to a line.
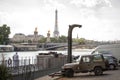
75 25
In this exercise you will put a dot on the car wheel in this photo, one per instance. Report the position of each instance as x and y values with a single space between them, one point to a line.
111 67
98 71
63 74
69 73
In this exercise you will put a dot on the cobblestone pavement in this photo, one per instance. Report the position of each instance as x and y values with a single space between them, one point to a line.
108 75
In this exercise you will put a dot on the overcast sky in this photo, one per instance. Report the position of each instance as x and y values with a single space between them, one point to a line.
100 19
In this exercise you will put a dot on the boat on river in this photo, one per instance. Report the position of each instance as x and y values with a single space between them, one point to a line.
6 48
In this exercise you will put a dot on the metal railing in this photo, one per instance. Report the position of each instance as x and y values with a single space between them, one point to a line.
29 68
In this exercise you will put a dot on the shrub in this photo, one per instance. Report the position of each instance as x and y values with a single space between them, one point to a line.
4 73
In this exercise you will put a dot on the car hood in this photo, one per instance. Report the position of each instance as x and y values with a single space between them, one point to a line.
70 65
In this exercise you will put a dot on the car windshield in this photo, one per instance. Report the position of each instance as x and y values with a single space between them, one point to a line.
101 52
78 59
106 57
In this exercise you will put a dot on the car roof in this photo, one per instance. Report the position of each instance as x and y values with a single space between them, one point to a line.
91 54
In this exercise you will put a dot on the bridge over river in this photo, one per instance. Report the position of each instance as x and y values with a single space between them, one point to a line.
53 46
40 46
49 46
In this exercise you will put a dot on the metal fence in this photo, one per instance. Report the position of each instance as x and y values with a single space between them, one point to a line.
29 68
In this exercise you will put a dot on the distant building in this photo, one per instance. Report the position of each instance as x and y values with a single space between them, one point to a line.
19 37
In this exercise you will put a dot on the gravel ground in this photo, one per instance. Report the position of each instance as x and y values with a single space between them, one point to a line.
107 75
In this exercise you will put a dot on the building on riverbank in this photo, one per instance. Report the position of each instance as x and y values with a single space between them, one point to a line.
20 37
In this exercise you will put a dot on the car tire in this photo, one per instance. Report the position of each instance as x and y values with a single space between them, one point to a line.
63 74
98 71
69 73
111 67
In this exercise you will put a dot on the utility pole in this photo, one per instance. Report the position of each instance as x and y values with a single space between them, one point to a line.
69 58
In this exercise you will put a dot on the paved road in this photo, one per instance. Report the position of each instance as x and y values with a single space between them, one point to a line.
108 75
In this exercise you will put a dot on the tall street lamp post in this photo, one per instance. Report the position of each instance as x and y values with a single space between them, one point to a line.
69 58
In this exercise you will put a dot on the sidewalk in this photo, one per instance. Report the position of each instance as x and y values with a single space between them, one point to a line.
48 78
107 75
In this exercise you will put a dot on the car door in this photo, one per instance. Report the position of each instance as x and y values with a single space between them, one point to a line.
85 63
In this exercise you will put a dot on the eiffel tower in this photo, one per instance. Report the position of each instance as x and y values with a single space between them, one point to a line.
56 32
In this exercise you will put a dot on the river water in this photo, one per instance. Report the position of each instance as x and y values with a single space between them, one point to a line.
33 54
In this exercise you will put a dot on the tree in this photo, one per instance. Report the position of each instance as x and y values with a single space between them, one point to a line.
4 34
62 39
81 41
29 41
42 40
4 72
54 40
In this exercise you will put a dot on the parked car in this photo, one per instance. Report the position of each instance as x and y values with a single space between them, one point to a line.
87 63
113 49
112 61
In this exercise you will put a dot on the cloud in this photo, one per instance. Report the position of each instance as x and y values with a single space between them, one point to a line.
18 5
53 4
3 17
91 3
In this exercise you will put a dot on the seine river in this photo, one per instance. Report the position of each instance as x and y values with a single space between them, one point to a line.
33 54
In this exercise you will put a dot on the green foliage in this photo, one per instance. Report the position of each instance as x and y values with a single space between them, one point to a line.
4 73
43 40
80 41
4 34
29 41
61 39
54 40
